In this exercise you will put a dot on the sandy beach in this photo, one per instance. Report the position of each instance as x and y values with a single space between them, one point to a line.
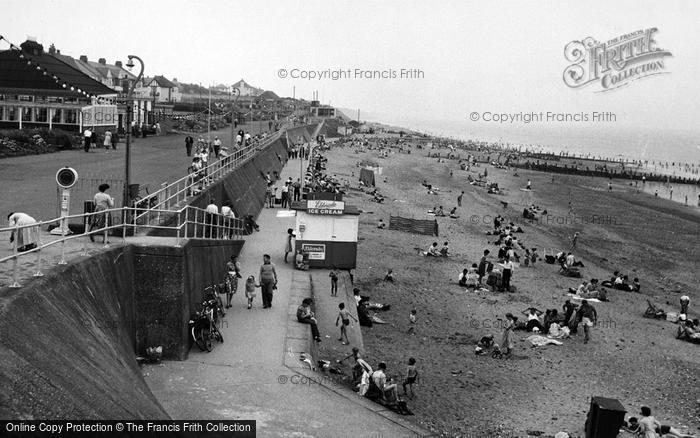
543 390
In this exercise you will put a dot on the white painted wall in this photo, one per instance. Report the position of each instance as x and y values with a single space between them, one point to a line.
342 228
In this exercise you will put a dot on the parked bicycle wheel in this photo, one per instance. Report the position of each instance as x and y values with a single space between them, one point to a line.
202 337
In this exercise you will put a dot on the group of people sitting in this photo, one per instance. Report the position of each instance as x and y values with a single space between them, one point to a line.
648 426
434 251
375 384
621 281
688 330
438 211
590 289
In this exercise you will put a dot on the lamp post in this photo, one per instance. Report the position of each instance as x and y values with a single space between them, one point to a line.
235 94
155 94
129 108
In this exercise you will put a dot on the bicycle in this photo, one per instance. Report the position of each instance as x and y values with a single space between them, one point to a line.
203 328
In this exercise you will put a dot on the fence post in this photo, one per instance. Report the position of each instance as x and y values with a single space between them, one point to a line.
38 272
104 235
124 225
85 234
15 262
186 220
63 242
179 225
196 223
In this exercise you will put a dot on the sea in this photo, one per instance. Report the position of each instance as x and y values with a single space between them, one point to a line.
665 151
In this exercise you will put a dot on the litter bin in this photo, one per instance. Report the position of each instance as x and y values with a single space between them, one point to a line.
605 418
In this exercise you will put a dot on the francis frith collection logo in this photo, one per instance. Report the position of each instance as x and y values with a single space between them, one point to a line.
616 62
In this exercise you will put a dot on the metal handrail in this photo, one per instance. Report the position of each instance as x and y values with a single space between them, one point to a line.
172 194
203 224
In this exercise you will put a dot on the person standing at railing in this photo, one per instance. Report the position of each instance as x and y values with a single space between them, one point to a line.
211 217
229 218
98 220
27 237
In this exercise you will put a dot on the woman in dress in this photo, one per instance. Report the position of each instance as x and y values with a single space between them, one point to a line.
233 273
27 237
647 424
507 344
288 248
99 219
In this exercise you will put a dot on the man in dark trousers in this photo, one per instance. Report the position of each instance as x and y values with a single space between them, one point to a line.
188 145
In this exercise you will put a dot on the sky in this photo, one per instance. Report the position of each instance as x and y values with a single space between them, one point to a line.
484 57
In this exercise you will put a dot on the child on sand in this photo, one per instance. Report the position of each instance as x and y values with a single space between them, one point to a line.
334 282
412 322
411 376
344 315
250 290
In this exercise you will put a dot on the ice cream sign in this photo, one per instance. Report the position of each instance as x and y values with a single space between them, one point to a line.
317 206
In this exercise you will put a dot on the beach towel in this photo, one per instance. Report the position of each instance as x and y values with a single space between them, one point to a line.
590 300
539 341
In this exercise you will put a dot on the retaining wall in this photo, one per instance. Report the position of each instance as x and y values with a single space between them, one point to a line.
67 344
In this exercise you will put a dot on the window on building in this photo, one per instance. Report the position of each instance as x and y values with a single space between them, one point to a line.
2 113
11 113
41 115
2 97
57 113
12 97
70 100
54 99
26 114
41 99
25 98
71 116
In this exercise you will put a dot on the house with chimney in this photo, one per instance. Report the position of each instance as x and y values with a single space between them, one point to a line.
116 77
38 89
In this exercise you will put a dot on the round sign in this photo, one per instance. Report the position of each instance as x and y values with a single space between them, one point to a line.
66 177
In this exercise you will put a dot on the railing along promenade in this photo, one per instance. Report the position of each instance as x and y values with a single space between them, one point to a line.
164 209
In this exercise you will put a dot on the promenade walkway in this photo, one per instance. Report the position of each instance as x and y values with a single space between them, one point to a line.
253 375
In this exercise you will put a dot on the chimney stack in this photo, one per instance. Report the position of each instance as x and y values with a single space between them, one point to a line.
102 61
52 49
84 58
31 46
118 64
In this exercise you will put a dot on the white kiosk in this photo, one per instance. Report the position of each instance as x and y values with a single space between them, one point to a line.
327 230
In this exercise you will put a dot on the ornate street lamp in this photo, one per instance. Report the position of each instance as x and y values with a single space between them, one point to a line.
129 109
235 94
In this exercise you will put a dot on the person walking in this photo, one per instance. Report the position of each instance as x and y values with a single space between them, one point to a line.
288 249
459 199
107 142
233 273
588 316
115 140
297 189
93 139
268 281
188 145
217 146
87 138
